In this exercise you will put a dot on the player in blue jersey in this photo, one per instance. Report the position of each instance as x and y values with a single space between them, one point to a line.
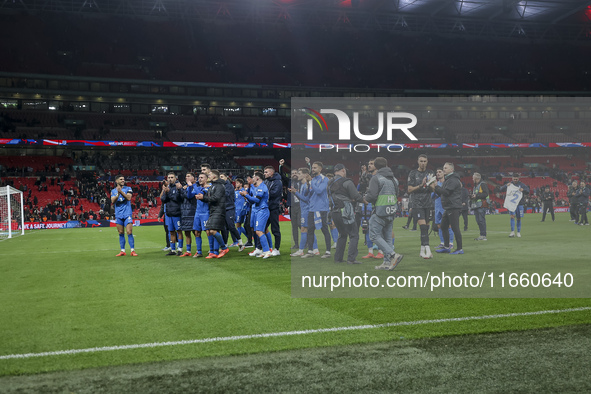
121 200
518 190
318 214
240 205
259 215
303 196
201 214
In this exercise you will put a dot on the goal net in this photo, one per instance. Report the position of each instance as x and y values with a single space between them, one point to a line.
12 220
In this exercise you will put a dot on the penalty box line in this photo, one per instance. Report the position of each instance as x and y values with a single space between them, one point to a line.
286 333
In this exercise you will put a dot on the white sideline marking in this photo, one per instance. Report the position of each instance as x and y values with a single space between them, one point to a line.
284 334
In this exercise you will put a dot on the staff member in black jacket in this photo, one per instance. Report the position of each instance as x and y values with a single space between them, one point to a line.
451 201
231 215
293 202
216 198
275 186
574 202
344 197
548 199
171 196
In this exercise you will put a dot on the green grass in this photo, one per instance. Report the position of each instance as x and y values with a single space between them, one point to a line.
64 289
544 360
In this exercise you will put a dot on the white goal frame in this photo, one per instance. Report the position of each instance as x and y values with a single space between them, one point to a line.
6 193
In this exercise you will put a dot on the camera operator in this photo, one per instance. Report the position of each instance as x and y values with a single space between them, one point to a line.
343 196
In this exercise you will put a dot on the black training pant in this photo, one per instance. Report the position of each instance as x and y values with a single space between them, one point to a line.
324 229
345 230
274 223
451 217
231 226
548 206
296 223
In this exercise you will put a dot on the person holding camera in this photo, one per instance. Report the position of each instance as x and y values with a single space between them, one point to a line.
343 197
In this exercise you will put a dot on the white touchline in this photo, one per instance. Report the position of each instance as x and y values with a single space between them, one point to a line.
285 334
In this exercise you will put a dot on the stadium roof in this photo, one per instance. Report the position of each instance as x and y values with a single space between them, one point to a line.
532 19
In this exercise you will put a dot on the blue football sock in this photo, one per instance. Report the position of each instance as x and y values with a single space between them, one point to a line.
188 247
519 226
173 246
265 243
180 243
441 236
122 241
199 244
451 235
218 237
335 234
269 239
216 246
315 242
131 241
512 224
303 240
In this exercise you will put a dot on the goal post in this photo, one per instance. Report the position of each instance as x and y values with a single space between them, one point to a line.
12 213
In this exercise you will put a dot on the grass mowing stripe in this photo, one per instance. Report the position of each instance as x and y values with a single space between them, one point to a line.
286 333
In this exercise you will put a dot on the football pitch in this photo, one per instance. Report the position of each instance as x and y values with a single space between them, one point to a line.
68 304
